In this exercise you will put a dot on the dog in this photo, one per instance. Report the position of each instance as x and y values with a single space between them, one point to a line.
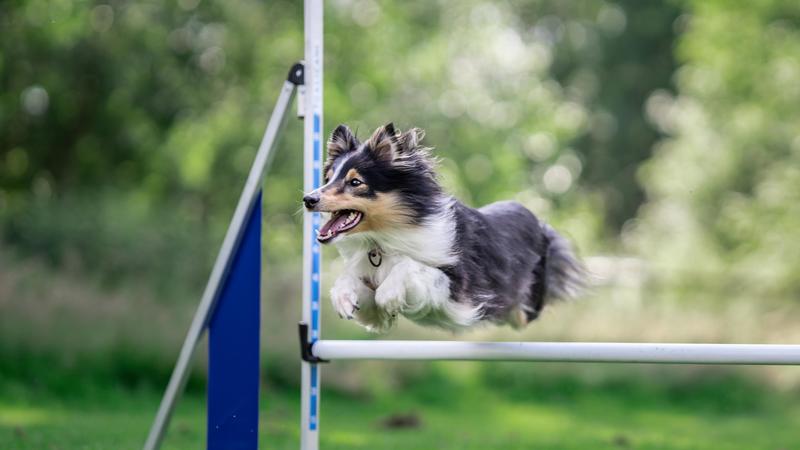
412 250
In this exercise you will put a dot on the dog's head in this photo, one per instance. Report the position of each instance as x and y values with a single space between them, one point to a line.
386 182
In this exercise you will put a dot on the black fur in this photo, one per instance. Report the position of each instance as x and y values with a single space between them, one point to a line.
505 259
500 249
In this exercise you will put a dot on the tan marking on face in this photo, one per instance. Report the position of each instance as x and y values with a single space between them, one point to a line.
329 174
384 211
352 173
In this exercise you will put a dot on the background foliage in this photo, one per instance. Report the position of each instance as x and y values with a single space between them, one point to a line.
724 186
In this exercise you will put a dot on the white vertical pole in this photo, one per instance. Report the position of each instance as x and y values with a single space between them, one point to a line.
312 258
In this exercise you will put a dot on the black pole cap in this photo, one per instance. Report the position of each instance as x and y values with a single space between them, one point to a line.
297 74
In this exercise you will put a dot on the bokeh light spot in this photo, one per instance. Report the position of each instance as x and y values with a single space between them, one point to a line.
35 100
102 18
557 179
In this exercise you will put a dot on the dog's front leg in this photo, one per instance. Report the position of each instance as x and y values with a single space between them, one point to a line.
419 292
390 296
347 293
352 298
412 288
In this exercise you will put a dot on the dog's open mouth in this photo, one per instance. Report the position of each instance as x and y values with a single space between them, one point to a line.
341 221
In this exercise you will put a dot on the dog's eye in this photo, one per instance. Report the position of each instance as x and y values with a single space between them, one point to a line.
355 182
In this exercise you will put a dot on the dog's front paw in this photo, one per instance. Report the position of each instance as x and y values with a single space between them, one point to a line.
345 302
391 297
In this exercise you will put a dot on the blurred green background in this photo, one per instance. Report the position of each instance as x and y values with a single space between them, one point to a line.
662 136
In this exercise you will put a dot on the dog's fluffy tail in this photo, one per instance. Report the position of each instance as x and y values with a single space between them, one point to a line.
565 275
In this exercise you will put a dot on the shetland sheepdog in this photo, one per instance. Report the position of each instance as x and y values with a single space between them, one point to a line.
412 250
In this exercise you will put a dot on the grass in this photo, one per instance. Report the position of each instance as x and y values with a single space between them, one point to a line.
439 413
63 342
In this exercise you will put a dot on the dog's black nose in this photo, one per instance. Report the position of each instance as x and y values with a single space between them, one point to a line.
311 200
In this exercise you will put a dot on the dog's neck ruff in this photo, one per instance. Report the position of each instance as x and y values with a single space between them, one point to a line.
432 242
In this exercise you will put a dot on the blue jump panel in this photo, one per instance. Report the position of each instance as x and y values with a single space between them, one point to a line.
233 349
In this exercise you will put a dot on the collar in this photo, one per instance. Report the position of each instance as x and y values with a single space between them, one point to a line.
375 256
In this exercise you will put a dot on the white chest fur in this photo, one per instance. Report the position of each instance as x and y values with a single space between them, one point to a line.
404 279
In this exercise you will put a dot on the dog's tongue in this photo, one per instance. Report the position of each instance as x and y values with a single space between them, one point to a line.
334 225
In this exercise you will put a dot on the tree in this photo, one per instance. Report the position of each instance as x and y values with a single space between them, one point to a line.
724 187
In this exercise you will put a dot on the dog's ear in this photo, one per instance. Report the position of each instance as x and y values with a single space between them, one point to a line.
342 140
384 142
409 141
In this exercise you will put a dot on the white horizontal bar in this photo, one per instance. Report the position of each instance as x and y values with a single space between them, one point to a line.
561 351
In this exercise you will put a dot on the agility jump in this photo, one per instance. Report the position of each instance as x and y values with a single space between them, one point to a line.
230 305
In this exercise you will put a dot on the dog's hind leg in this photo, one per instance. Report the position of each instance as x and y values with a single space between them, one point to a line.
518 317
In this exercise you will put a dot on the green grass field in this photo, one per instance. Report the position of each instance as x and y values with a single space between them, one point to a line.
438 415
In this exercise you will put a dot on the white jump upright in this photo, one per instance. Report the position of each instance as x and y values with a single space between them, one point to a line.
312 253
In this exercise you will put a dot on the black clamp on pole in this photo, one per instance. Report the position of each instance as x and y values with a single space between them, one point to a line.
297 74
305 345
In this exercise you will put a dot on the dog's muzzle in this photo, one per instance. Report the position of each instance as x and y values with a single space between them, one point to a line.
311 200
